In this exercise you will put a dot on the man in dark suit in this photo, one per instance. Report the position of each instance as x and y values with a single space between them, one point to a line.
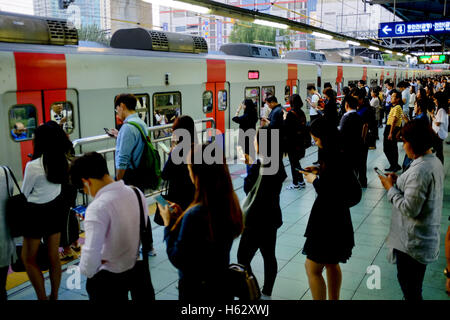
351 127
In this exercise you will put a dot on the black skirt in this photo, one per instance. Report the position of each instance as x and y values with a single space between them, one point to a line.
43 220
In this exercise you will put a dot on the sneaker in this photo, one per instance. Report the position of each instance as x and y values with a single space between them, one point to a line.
302 185
293 186
152 253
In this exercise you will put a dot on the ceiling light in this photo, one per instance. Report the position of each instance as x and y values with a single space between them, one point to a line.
179 5
400 54
374 48
270 24
322 35
354 43
388 51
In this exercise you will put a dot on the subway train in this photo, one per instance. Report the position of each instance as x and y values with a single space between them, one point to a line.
46 74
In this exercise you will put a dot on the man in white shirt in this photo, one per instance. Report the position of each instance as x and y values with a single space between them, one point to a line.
112 229
313 102
403 87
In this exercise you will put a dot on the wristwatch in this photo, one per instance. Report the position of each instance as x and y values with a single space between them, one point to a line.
447 273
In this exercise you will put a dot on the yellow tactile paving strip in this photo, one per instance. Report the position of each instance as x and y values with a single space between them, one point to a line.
15 279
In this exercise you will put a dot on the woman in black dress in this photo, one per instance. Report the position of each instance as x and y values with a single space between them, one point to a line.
329 231
246 122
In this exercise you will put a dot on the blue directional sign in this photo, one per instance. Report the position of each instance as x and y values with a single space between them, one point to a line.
411 28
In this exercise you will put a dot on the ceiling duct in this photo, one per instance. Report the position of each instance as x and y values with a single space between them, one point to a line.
142 39
36 30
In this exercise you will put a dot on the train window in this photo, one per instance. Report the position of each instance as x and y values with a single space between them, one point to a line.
287 93
166 107
207 103
222 98
294 90
253 94
22 122
62 114
267 91
142 109
373 83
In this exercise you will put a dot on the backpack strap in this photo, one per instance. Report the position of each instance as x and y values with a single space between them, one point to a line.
143 136
6 169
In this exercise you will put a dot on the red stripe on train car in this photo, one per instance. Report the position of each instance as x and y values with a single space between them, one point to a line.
364 77
340 74
216 70
38 72
292 71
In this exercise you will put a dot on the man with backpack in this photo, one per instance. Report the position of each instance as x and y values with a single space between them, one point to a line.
131 147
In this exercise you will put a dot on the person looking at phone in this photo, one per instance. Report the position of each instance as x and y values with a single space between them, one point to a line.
417 199
263 217
329 232
313 102
199 238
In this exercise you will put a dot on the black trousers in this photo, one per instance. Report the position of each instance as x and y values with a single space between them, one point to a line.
390 147
410 275
3 277
362 166
439 148
314 117
294 160
265 241
108 286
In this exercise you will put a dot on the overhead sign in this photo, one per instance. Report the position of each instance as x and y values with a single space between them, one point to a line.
411 28
434 59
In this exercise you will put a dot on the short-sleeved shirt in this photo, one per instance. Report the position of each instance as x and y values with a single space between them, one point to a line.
396 112
442 129
314 100
405 95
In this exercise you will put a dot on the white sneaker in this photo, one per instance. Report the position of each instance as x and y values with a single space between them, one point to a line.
152 253
293 186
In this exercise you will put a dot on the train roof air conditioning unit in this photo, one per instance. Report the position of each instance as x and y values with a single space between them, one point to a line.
250 50
21 28
306 55
143 39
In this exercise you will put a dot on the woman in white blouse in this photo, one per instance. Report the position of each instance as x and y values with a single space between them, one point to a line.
412 101
440 123
44 218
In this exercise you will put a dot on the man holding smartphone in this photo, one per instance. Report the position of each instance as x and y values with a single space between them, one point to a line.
393 127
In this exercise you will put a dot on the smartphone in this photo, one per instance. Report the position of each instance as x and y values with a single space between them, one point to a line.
107 132
163 202
379 172
304 171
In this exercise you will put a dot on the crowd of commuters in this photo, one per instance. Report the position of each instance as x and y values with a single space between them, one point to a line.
204 215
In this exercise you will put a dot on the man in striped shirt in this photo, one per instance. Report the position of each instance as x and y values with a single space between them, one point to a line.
393 126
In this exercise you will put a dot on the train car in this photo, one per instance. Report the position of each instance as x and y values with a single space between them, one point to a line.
39 82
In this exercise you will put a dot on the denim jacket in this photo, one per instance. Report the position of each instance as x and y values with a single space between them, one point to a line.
417 201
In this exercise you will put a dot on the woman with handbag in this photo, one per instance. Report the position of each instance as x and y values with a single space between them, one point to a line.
262 218
42 182
295 128
199 238
7 246
329 232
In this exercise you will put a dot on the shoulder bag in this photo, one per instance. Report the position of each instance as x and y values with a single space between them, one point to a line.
141 286
243 283
16 207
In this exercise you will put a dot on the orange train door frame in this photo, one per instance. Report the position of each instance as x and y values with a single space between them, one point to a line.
216 82
292 79
339 79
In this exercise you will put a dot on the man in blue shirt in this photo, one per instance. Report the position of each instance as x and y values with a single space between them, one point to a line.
19 131
129 145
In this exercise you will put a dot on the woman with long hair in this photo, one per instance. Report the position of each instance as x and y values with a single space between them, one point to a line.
199 238
329 232
246 122
42 182
440 122
295 130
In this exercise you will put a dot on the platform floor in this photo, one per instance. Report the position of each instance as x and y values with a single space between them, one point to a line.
371 220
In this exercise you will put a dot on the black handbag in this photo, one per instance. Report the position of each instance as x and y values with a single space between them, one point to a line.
42 259
16 207
141 286
157 218
243 283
